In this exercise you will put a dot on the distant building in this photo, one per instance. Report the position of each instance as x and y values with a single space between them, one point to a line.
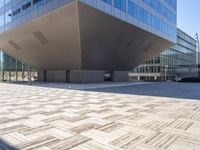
79 40
198 61
179 61
199 67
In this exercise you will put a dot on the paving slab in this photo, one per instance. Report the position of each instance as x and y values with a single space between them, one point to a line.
143 116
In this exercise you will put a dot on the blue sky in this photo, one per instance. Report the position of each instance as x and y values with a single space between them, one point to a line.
189 16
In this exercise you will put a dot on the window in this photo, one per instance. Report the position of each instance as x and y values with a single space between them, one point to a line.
149 19
159 7
132 9
16 12
1 3
143 15
36 1
108 1
120 4
27 5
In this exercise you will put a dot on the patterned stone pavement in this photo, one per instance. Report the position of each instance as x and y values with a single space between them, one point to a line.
41 118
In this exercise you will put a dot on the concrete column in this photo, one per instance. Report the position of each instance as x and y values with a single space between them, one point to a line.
2 75
9 76
120 76
138 77
86 76
67 76
16 76
162 78
22 75
40 76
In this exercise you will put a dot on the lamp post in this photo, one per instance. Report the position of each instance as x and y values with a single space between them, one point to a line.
166 72
148 71
198 53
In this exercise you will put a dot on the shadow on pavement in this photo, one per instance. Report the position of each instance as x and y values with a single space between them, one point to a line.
160 89
5 146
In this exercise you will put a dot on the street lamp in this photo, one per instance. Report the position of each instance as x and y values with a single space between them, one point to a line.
148 68
166 66
198 53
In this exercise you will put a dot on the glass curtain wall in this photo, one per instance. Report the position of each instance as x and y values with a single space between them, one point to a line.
150 13
12 69
157 15
173 62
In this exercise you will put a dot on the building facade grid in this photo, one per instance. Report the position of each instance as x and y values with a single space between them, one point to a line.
180 60
153 19
155 16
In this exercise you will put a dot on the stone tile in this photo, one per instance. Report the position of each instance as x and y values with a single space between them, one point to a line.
118 118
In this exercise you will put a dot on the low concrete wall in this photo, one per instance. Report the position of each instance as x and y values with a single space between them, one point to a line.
56 76
52 76
81 76
85 76
120 76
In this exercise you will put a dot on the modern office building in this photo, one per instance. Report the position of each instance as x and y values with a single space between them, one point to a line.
12 69
199 65
198 50
179 61
78 40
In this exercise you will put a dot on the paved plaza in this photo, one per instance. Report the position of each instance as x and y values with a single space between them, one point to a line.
149 116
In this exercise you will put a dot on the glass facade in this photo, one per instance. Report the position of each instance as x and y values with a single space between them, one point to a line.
173 62
17 12
13 69
155 16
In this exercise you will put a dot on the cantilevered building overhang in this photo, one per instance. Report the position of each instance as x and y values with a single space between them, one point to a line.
79 37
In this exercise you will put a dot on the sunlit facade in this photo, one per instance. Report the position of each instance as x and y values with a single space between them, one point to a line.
59 37
179 60
158 17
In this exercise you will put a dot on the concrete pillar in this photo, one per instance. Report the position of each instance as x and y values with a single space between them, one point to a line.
45 76
155 78
138 77
120 76
22 75
81 76
86 76
16 74
162 78
9 76
40 76
67 76
2 75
